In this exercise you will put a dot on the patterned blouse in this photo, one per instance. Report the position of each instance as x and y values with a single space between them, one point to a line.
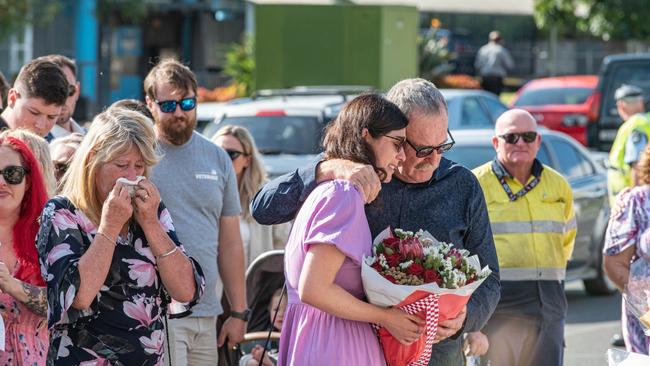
124 324
629 226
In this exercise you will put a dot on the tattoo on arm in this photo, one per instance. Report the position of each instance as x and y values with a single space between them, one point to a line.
36 299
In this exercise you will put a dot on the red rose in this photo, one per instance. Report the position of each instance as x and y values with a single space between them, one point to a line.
431 275
377 266
393 260
391 242
415 269
390 278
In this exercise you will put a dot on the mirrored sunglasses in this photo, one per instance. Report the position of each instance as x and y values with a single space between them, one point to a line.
169 106
14 174
513 138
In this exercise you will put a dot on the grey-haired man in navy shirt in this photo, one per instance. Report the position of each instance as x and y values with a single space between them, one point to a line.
429 192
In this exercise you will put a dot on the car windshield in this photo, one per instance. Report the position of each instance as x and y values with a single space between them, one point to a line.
637 74
274 135
536 97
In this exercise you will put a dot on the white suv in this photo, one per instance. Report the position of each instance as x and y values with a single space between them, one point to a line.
287 124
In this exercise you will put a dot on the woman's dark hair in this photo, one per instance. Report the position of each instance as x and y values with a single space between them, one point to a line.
343 136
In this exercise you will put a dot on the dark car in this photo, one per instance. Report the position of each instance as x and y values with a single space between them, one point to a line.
615 71
588 180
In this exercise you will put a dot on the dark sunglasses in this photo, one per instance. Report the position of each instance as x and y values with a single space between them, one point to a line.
169 106
234 154
513 138
14 174
60 167
422 152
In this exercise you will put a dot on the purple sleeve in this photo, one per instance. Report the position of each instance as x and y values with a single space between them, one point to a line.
339 219
623 227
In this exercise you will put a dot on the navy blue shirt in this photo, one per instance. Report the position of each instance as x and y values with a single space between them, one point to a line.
451 206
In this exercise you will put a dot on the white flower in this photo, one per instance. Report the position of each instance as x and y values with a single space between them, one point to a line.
405 265
383 261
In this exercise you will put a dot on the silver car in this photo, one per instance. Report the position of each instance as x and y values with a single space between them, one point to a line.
588 179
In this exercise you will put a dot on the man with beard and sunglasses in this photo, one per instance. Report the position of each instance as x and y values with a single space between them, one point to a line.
197 181
534 227
429 192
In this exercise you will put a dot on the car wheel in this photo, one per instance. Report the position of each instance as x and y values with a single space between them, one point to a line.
601 285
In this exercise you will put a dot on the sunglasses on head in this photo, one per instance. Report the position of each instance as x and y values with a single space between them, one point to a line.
169 106
513 138
14 174
424 151
234 154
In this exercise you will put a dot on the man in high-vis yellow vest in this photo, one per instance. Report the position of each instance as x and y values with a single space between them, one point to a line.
531 213
631 139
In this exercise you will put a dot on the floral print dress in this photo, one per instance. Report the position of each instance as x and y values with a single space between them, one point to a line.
124 324
629 225
25 334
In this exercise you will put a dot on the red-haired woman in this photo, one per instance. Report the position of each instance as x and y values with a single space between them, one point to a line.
23 305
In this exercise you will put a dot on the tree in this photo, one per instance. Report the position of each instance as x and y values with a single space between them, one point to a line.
240 65
15 14
433 56
610 19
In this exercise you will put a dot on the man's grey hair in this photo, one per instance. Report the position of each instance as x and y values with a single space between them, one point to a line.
417 96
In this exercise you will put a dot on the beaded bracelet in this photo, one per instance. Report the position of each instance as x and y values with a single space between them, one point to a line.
167 254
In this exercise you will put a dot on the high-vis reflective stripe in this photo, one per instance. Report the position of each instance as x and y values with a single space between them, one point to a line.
533 235
572 224
532 274
526 227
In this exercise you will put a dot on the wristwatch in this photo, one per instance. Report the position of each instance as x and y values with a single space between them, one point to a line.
244 315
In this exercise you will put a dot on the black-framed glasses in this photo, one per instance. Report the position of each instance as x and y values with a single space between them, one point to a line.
424 151
169 106
234 154
14 174
513 138
399 139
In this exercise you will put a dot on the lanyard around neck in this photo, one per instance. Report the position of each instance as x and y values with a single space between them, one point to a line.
513 196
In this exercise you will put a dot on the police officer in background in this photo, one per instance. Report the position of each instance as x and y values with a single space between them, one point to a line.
631 138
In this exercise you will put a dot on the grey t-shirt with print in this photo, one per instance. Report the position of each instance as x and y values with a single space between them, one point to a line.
198 185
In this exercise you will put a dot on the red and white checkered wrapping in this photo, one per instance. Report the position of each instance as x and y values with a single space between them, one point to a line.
430 305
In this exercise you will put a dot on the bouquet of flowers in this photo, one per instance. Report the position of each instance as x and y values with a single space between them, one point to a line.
618 357
422 276
637 293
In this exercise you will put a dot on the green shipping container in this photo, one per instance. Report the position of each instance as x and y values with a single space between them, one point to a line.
334 45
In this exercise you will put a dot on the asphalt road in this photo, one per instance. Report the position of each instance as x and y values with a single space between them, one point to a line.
591 321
